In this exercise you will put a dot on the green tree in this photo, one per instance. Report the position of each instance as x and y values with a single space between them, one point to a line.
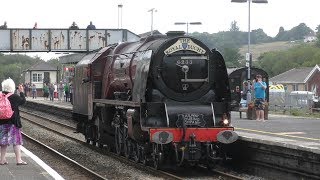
280 34
318 36
234 27
296 33
232 57
259 36
277 62
13 66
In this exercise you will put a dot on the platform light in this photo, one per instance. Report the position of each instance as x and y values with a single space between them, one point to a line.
225 121
248 54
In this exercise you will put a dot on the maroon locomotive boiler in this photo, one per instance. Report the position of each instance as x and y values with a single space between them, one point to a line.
163 99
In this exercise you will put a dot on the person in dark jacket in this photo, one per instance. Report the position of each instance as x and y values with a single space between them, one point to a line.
4 26
51 91
74 26
91 26
10 129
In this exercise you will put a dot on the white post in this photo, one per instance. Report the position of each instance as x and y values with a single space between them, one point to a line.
120 16
187 28
151 11
249 42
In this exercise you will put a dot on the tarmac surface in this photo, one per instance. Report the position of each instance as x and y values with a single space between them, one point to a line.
297 127
36 169
283 130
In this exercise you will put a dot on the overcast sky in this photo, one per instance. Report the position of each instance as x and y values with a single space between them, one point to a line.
215 15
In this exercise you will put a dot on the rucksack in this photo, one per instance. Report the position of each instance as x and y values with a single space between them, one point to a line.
5 106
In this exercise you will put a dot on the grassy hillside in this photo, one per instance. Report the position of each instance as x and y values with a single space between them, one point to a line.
257 49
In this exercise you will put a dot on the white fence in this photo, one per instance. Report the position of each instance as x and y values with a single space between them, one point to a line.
289 100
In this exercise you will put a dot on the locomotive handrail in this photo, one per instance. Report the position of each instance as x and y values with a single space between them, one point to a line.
117 102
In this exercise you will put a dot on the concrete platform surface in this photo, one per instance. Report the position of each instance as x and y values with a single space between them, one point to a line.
35 170
282 130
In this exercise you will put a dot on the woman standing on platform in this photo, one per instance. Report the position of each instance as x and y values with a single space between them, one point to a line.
66 91
10 129
34 91
60 91
260 96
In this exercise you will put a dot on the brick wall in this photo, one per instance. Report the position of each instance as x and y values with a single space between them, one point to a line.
315 80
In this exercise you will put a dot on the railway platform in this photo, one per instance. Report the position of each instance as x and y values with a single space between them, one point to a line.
281 130
36 169
55 103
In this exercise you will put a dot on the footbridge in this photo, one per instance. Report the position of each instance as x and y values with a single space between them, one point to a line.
61 40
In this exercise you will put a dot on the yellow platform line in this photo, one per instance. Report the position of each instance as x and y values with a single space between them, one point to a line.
277 134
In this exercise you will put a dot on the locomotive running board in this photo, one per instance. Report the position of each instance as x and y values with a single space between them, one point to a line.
104 102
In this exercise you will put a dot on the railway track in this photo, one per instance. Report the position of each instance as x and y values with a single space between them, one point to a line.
67 131
83 171
51 120
83 143
264 160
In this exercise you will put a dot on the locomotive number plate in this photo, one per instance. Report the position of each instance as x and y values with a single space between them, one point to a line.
191 119
184 62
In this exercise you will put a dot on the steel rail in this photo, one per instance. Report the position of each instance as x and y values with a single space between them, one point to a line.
49 119
90 172
113 155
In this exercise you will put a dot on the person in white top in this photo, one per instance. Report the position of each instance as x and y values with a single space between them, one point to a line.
55 90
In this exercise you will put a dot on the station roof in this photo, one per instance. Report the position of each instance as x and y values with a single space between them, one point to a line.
42 66
71 58
295 75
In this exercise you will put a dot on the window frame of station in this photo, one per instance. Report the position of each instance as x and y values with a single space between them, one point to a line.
38 75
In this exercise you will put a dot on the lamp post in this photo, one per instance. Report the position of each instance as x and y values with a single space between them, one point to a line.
187 23
152 10
248 54
120 16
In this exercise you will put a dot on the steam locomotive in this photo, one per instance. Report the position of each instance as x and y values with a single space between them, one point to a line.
163 99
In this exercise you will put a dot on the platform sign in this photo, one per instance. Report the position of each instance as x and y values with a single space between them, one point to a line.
61 40
5 40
